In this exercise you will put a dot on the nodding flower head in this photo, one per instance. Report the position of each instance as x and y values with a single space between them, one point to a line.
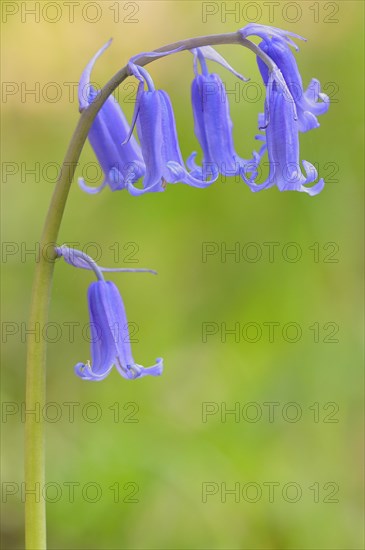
276 44
213 126
110 341
121 164
157 133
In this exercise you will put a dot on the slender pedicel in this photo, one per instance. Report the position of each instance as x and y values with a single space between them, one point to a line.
83 261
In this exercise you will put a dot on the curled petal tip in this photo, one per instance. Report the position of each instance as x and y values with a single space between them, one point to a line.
84 371
138 371
315 189
90 190
80 370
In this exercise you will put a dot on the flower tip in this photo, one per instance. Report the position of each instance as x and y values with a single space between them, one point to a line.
158 367
315 189
90 190
81 370
138 371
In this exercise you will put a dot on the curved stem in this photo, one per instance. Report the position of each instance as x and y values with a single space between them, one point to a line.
35 525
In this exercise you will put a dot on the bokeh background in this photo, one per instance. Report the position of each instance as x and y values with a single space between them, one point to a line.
159 452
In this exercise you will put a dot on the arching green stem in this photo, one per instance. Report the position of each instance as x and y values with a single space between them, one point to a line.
35 526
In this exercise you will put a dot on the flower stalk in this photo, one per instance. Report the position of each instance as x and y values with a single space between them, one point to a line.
35 512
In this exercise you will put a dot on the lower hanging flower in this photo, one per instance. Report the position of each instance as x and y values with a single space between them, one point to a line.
110 341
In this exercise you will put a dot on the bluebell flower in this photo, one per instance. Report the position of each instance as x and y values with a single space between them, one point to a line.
213 126
121 164
156 128
110 337
110 341
276 44
281 141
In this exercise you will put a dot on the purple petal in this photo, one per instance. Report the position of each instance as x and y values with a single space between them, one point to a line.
108 131
124 359
103 350
152 139
312 95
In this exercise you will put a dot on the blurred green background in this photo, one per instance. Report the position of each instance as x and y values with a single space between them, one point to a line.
168 454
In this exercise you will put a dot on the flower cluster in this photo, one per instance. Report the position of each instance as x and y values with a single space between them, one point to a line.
156 157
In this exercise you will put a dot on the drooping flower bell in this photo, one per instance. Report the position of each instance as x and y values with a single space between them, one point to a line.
281 141
213 126
156 128
276 44
110 341
121 164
